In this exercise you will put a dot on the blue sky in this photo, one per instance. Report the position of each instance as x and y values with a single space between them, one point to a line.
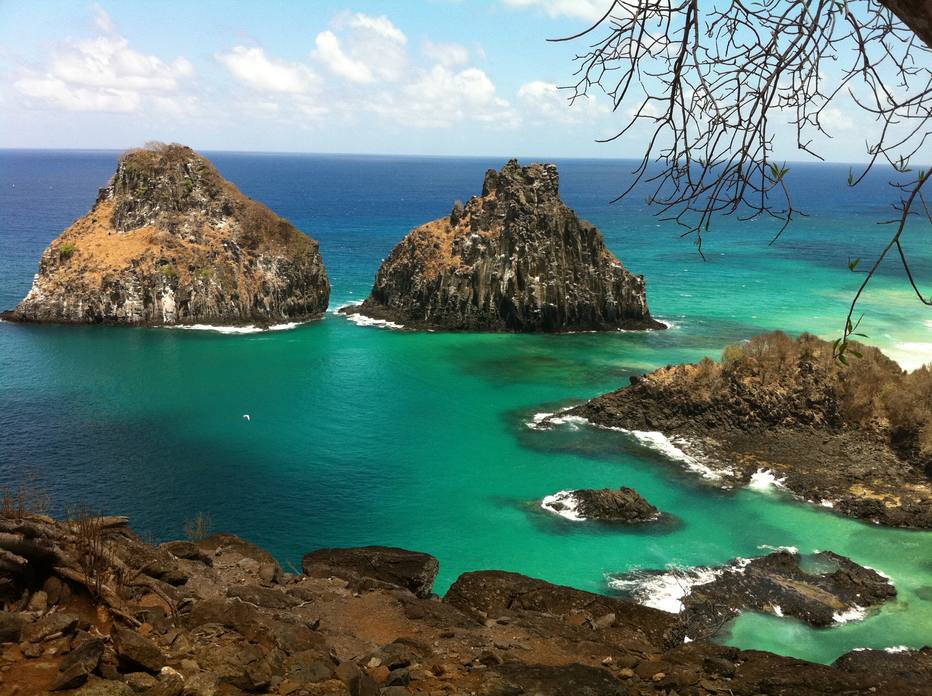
434 77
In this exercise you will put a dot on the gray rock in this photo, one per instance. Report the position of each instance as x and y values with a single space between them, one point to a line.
135 651
50 625
11 627
140 681
104 687
39 602
79 664
408 569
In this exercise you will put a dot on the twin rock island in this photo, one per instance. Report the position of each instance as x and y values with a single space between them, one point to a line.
169 241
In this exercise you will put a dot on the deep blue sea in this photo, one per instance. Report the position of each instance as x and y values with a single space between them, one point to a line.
363 435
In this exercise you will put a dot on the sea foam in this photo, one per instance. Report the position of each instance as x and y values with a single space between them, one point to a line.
655 440
664 591
764 480
854 613
363 320
564 504
234 330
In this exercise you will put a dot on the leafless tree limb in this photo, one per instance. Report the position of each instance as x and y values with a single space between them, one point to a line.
708 80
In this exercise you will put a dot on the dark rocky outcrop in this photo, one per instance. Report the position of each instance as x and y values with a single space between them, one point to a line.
623 505
170 241
408 569
515 258
830 589
856 438
234 627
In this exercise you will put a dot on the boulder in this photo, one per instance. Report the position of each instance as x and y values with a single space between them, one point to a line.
135 651
408 569
11 627
79 664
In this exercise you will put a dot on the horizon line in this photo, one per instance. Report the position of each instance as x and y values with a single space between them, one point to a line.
407 155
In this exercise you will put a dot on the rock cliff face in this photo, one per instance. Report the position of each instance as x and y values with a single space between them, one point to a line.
170 241
854 438
515 258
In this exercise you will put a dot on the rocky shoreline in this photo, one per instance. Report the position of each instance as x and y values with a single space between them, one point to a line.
515 259
853 439
90 609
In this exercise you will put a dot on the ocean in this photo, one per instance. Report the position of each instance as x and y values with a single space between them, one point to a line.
365 435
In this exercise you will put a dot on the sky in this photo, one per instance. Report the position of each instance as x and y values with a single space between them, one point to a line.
419 77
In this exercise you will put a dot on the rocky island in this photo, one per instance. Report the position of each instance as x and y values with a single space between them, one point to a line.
515 259
170 241
623 505
855 438
829 589
90 609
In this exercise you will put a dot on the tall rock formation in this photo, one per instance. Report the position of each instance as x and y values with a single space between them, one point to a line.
170 241
515 258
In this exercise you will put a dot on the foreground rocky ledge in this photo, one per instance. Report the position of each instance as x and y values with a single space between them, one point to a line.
92 610
515 258
170 241
857 439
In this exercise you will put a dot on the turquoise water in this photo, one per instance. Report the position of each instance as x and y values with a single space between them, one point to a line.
361 435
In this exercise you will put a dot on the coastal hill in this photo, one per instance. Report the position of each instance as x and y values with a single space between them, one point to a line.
515 258
856 438
92 610
170 241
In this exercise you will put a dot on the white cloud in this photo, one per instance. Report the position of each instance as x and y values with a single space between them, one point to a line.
57 93
590 10
103 74
833 119
256 70
543 101
381 26
332 55
441 97
363 49
447 54
102 19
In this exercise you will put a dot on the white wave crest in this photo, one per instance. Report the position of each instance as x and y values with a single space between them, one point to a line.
789 549
764 480
827 503
235 330
564 504
363 320
854 613
664 591
897 649
655 440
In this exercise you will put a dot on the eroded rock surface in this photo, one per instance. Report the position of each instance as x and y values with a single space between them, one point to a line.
820 589
624 505
239 625
856 438
515 258
170 241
